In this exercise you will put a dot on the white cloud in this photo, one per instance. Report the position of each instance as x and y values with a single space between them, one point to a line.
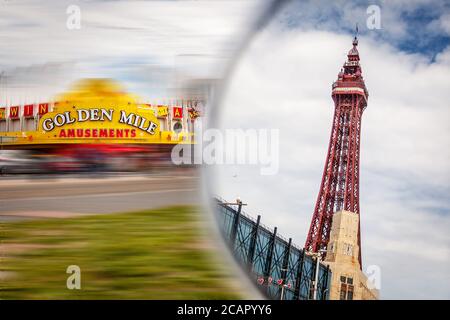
284 81
410 24
124 40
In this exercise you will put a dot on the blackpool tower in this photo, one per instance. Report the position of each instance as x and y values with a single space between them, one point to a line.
339 189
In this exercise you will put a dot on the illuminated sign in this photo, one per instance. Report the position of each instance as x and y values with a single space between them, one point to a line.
14 112
177 112
163 111
193 114
43 108
28 110
97 111
99 123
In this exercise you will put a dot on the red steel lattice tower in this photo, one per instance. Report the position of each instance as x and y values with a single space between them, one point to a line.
339 189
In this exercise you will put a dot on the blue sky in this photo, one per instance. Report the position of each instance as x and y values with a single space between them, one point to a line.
423 41
411 26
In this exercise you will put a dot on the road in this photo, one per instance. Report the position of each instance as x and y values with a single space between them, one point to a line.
69 196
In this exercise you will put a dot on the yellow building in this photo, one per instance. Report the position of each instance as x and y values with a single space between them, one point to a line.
348 281
97 111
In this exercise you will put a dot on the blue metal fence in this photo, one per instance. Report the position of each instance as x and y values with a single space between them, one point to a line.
274 263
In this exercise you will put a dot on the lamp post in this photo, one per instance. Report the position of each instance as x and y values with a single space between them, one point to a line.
283 285
282 291
318 256
236 221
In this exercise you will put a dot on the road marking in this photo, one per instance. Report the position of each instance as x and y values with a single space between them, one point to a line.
97 195
83 180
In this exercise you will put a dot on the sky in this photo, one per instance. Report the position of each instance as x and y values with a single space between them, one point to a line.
146 45
282 81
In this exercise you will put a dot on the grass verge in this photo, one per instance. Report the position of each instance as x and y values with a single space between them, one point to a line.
155 254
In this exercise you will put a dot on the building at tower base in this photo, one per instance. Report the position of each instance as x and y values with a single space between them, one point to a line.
348 281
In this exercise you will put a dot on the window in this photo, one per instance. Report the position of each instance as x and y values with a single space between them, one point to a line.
350 292
343 295
347 288
348 249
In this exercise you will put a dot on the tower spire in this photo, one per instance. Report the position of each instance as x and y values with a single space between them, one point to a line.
339 189
355 39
